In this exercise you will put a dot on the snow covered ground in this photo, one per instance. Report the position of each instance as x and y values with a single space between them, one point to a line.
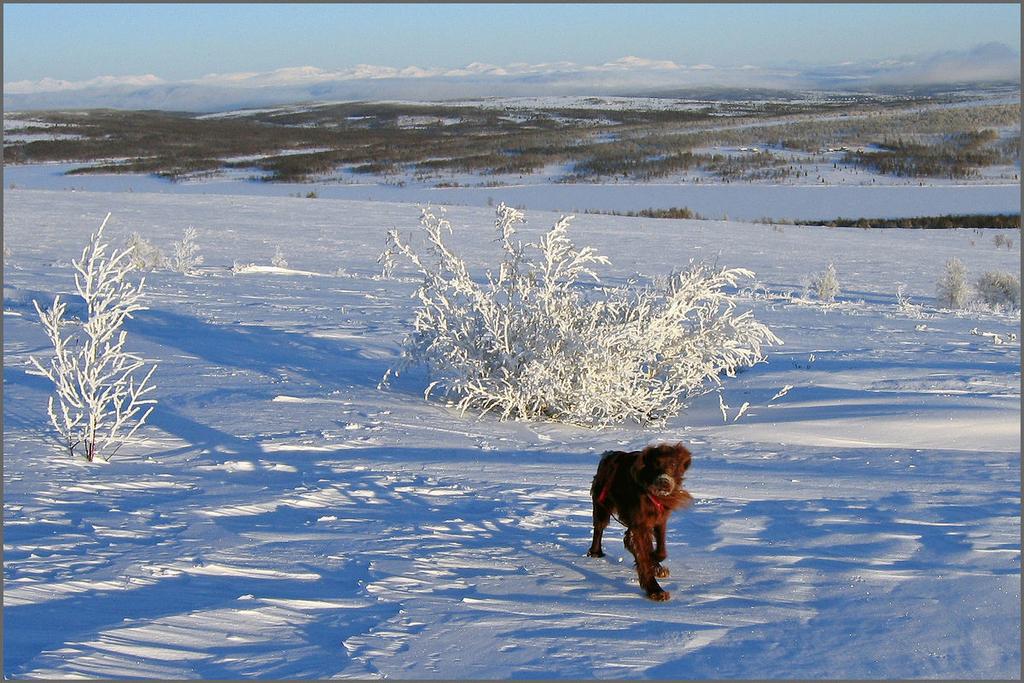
285 518
845 195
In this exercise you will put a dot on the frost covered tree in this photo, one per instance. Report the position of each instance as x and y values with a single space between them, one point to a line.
186 252
100 400
144 255
952 289
528 343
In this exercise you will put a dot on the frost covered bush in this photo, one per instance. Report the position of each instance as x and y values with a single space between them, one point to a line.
278 260
952 289
825 285
144 256
100 400
999 289
905 306
527 343
186 252
1003 241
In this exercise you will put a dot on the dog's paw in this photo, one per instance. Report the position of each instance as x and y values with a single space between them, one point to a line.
662 572
659 595
595 553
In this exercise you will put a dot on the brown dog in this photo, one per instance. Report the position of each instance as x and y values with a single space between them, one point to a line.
641 488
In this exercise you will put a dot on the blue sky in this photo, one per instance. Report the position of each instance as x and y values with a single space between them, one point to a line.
175 41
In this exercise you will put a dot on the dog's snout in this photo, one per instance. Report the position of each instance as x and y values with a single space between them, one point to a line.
665 482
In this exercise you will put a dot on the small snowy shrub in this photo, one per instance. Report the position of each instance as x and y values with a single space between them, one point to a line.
186 252
1000 290
902 300
905 306
825 285
278 261
952 289
387 261
100 402
527 343
144 255
1003 241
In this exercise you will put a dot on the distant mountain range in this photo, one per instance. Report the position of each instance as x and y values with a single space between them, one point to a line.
992 62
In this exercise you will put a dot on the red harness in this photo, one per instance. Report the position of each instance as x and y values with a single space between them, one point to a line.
608 485
657 503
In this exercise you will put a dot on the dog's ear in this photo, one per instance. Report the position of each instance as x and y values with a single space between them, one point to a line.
684 455
640 461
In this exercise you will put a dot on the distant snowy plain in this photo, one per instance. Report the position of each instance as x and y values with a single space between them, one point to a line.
847 194
286 518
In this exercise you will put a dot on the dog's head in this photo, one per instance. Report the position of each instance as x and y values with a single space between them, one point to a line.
660 469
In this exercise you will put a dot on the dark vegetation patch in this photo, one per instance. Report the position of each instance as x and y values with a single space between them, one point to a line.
676 212
970 221
959 155
432 141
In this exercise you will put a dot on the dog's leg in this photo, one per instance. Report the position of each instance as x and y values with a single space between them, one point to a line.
601 517
639 542
659 551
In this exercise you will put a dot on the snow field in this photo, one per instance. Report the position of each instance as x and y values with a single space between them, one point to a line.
847 194
287 519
